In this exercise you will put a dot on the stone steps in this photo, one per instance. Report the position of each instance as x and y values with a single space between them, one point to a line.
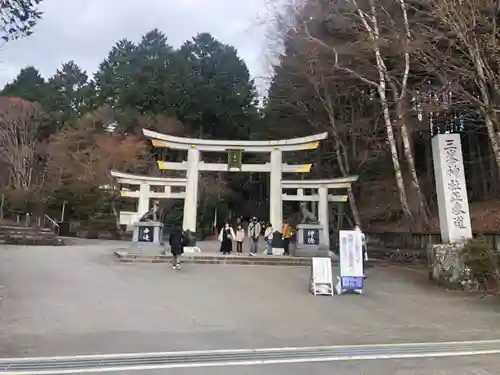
212 258
21 235
217 258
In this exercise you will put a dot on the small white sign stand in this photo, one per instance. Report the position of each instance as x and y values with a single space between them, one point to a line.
321 280
351 275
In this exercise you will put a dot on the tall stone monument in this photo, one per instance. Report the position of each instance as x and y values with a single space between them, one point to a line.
445 263
451 188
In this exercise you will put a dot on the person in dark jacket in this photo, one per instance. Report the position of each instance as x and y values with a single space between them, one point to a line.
176 242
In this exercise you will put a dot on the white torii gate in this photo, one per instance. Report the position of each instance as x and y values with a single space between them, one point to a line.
322 197
193 165
144 194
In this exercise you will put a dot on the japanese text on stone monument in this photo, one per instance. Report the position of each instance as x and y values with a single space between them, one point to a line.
456 185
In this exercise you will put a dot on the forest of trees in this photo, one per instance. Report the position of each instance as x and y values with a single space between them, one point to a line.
75 129
384 76
380 76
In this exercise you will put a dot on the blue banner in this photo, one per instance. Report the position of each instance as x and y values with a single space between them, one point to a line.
351 283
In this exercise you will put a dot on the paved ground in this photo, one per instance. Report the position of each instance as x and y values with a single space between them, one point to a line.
78 300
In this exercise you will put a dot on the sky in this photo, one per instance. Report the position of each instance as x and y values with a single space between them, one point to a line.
85 31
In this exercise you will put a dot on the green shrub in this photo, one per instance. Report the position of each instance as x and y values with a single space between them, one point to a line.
481 262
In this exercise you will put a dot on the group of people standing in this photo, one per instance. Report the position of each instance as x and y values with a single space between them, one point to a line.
178 239
255 228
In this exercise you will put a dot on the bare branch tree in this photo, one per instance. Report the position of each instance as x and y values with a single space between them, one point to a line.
80 159
462 53
366 19
20 122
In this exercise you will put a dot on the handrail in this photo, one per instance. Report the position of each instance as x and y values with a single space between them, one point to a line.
54 223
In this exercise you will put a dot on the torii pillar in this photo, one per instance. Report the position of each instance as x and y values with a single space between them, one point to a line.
191 200
275 202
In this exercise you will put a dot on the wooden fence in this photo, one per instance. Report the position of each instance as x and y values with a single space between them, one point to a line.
419 241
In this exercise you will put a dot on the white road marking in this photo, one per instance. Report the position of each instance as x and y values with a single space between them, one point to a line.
254 350
255 362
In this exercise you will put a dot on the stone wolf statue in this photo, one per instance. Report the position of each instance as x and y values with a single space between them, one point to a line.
307 216
154 214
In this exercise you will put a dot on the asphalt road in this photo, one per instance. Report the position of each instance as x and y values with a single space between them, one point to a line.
79 300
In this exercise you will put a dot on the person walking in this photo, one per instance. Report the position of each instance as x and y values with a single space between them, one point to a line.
268 235
254 230
176 242
287 234
226 237
364 248
240 236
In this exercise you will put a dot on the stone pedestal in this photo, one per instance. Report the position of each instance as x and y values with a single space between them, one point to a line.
148 232
309 235
445 265
310 240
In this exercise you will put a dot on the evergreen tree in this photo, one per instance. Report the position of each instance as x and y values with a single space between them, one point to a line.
152 81
71 93
28 85
17 18
218 98
114 79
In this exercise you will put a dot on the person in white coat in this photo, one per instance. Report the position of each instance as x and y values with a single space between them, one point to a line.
268 235
240 237
226 237
364 248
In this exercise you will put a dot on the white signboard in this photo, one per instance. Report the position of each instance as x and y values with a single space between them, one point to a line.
351 254
321 276
351 276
